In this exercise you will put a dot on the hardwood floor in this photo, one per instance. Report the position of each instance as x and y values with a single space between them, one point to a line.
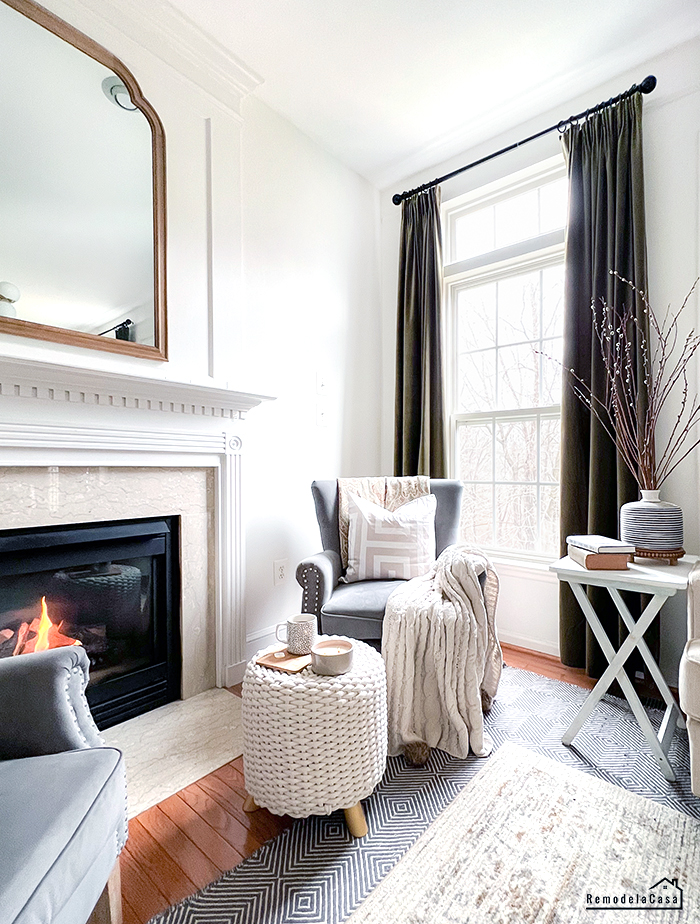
182 844
546 665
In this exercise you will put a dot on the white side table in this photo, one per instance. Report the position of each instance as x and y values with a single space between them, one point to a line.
314 744
659 580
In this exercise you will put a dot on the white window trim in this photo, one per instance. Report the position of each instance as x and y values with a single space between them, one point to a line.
554 168
550 244
547 250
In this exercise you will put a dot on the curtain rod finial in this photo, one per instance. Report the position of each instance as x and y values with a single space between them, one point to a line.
648 84
397 198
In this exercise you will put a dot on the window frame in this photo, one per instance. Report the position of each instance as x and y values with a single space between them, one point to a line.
531 254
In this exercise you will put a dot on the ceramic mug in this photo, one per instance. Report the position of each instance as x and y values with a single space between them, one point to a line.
299 633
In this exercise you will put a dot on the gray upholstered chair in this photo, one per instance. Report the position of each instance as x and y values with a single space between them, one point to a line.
63 811
357 609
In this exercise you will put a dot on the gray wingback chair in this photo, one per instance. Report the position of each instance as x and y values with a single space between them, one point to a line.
357 609
63 811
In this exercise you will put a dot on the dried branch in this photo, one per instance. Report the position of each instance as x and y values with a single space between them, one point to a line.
623 344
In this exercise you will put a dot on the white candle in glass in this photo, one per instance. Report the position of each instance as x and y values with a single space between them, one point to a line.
331 656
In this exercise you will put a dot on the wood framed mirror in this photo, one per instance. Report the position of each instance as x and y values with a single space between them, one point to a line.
82 192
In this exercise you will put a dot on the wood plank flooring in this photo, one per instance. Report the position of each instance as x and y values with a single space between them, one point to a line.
190 839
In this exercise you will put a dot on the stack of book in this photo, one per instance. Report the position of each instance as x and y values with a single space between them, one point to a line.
599 552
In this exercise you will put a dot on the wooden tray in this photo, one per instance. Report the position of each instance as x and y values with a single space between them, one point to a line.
289 663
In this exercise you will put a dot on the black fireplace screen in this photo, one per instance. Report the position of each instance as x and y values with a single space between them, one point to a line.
112 588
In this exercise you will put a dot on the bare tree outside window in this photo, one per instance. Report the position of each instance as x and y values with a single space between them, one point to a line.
504 315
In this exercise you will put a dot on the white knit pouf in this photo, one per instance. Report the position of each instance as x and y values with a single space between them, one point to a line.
314 744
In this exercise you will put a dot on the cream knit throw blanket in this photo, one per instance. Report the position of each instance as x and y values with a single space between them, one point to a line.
389 493
441 651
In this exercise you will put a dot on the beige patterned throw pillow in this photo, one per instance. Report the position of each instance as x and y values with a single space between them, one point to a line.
390 545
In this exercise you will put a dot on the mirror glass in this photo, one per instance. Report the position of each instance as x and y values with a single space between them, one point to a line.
81 248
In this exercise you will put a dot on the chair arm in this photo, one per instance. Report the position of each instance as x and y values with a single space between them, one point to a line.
318 574
693 601
43 705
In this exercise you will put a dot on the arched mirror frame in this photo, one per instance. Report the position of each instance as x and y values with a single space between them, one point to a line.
21 328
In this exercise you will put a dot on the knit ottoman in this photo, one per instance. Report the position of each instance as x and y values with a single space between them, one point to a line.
314 744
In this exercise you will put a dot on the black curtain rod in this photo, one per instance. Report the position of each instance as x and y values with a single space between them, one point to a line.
646 86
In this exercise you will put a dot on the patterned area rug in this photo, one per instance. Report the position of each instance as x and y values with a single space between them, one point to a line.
315 872
531 840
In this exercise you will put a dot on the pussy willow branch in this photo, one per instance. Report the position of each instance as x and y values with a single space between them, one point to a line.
620 411
617 411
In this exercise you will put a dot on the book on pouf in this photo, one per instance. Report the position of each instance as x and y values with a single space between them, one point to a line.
599 561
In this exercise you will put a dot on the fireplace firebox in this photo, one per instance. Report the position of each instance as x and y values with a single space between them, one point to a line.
112 587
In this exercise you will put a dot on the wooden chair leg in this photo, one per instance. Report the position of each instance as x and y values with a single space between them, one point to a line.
250 805
108 909
355 819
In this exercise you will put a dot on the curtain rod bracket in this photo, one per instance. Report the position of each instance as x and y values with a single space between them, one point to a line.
646 86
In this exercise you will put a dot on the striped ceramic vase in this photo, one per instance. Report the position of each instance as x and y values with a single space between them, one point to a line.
653 526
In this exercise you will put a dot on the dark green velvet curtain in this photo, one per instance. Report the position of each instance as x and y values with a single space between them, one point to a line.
606 231
419 440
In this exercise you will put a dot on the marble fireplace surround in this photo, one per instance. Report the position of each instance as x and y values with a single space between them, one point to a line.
48 495
59 473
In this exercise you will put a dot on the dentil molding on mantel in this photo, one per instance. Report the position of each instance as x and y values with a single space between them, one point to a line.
20 378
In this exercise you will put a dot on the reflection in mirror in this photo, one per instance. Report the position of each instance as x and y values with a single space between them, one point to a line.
78 218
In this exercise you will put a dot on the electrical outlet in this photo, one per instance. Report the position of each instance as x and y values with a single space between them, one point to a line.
281 566
321 414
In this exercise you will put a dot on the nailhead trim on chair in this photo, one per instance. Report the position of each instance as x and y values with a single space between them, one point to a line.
71 707
314 744
125 820
87 714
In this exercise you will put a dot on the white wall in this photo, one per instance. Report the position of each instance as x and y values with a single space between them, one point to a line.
528 608
312 311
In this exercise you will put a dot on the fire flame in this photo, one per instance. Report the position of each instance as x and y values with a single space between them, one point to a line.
47 634
41 643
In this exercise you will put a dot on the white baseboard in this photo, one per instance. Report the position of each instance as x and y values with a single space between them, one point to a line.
234 673
532 644
261 633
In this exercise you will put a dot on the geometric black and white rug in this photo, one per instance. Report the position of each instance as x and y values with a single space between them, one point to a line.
316 873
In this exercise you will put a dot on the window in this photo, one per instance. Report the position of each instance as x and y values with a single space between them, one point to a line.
504 271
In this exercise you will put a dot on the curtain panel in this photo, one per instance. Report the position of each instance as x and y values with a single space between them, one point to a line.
419 435
606 231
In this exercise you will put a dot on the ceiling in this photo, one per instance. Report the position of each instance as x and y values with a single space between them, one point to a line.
393 86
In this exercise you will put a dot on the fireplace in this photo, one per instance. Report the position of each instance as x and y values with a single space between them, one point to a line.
112 587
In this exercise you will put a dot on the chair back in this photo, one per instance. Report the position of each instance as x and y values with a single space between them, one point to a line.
448 494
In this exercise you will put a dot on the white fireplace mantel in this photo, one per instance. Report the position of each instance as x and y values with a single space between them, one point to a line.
20 378
45 444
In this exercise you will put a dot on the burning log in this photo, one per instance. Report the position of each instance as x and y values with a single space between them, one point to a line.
22 634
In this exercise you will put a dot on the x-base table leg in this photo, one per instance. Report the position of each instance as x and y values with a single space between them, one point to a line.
659 744
672 709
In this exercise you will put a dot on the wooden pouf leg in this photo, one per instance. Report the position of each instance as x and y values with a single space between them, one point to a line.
355 818
250 805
